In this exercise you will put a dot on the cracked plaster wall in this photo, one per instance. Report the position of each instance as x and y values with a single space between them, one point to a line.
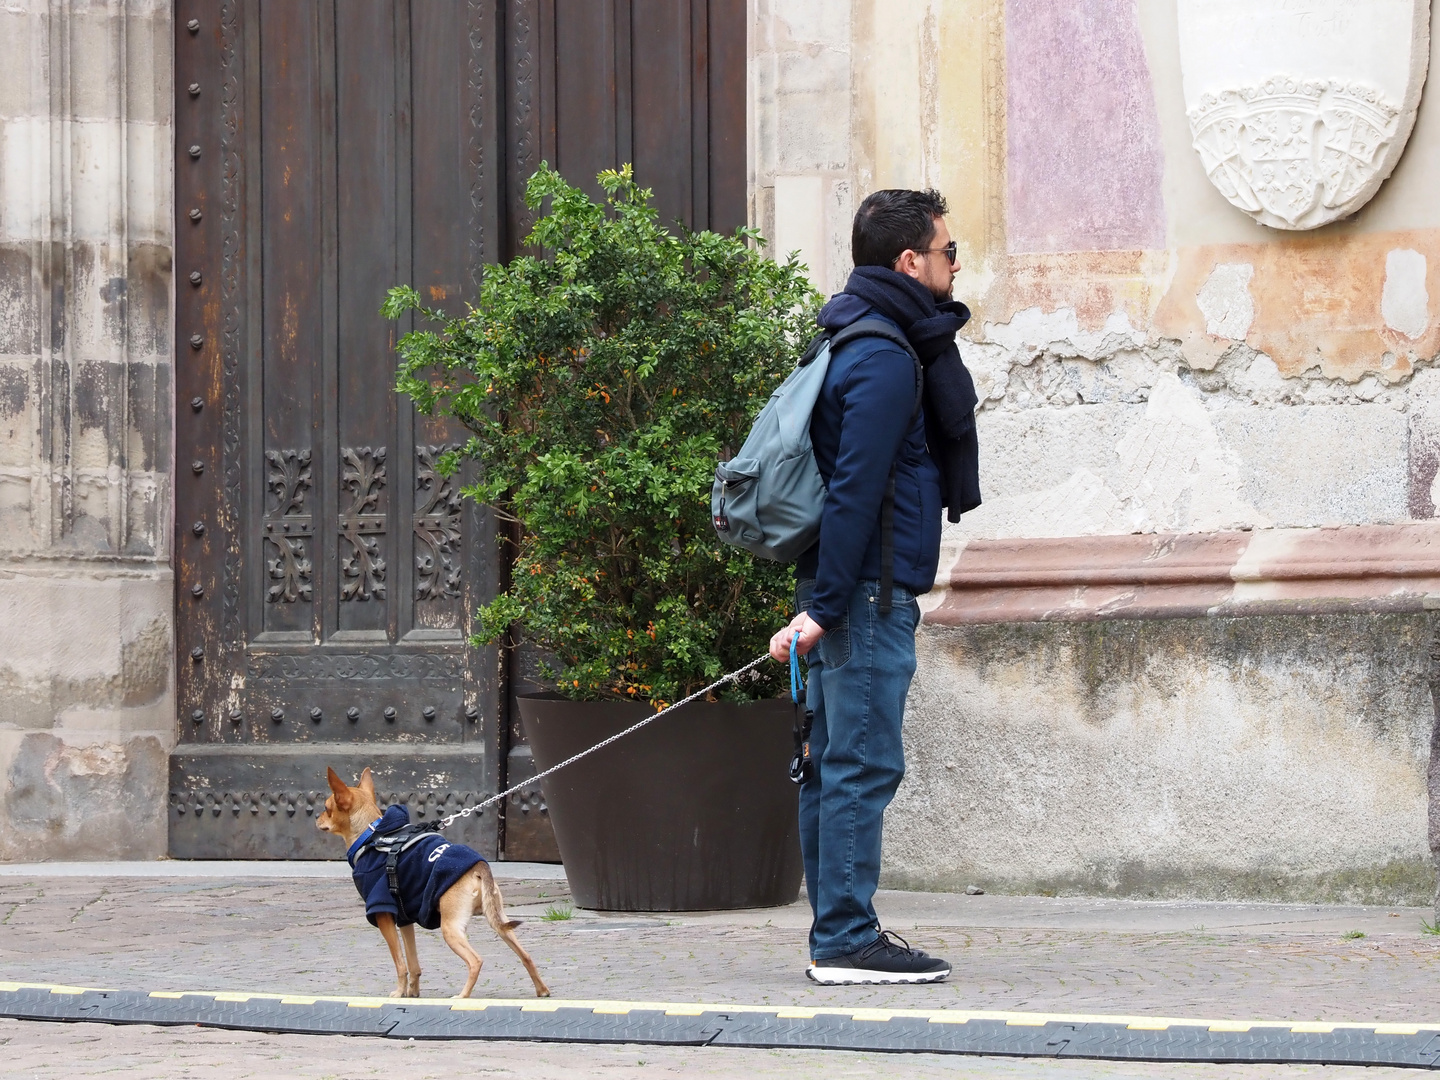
1290 375
86 655
1149 359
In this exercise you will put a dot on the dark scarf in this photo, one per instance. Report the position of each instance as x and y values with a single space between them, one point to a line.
950 397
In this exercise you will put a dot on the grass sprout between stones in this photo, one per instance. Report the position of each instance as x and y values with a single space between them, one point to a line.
558 913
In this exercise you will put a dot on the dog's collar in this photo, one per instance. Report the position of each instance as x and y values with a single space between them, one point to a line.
361 841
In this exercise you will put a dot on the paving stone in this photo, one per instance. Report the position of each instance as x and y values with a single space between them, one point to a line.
310 936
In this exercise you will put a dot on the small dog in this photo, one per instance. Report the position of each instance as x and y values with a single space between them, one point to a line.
454 882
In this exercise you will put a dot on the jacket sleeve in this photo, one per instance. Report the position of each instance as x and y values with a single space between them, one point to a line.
877 404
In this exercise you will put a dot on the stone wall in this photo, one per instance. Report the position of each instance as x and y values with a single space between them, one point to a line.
1269 757
86 658
1153 365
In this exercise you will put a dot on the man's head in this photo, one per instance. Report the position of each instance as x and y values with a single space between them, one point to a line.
905 231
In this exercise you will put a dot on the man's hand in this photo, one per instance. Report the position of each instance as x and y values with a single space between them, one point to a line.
810 632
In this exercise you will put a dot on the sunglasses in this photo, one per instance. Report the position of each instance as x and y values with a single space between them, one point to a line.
950 250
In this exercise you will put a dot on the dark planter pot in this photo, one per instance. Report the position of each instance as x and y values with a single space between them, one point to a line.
694 812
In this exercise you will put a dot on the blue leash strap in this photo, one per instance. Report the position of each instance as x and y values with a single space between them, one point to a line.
801 768
797 685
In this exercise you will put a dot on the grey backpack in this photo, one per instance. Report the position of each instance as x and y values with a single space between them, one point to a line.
767 499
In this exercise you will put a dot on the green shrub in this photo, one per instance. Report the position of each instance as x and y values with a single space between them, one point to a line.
600 385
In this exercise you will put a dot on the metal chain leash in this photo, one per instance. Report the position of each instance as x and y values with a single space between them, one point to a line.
734 675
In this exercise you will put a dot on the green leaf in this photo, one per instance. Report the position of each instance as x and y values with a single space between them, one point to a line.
600 384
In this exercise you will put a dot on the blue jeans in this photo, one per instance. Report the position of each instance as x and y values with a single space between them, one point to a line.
860 673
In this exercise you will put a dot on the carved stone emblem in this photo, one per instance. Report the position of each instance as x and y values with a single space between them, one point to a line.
1300 109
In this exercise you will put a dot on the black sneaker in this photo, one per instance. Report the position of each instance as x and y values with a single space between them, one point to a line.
887 959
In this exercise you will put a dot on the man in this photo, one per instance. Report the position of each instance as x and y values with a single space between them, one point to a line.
861 656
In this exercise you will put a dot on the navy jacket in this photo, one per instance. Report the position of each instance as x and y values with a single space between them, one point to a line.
864 419
427 870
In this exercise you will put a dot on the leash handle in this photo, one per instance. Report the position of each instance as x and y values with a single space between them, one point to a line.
801 768
797 687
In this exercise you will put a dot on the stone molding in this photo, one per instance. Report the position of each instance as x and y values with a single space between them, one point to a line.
1368 568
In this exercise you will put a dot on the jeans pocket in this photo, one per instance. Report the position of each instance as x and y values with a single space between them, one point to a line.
834 646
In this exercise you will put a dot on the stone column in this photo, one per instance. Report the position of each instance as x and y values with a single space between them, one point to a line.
86 599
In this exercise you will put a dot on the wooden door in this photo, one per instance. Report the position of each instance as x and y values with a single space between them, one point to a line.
325 571
591 85
326 574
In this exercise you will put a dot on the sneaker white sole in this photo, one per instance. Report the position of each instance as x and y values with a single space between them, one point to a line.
855 976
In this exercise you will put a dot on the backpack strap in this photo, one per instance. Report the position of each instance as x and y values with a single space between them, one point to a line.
882 328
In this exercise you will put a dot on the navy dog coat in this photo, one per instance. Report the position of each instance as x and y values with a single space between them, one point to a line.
427 869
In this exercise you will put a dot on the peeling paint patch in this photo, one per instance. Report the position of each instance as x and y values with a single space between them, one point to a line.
1320 303
1405 303
1059 332
1095 284
1225 301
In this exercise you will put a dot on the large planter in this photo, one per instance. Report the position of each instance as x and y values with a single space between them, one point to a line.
694 812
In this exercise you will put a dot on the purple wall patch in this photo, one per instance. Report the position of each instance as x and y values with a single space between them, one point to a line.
1084 162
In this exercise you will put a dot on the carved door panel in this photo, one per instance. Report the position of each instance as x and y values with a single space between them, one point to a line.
591 85
326 150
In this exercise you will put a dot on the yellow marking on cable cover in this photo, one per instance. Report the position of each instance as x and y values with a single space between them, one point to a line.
620 1008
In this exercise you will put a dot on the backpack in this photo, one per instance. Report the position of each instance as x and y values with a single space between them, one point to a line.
768 498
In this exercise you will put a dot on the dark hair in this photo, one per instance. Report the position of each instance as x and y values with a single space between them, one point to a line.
891 221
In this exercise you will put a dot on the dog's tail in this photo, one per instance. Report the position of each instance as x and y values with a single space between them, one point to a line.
491 903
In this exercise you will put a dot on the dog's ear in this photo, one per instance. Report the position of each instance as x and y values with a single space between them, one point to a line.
343 799
367 783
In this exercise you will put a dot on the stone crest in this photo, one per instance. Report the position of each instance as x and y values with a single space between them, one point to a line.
1300 109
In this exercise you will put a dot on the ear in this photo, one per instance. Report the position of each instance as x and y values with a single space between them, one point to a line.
908 264
367 783
343 799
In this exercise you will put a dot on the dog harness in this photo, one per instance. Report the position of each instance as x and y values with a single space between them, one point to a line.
403 870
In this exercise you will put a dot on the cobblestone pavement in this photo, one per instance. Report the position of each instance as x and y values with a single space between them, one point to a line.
309 935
